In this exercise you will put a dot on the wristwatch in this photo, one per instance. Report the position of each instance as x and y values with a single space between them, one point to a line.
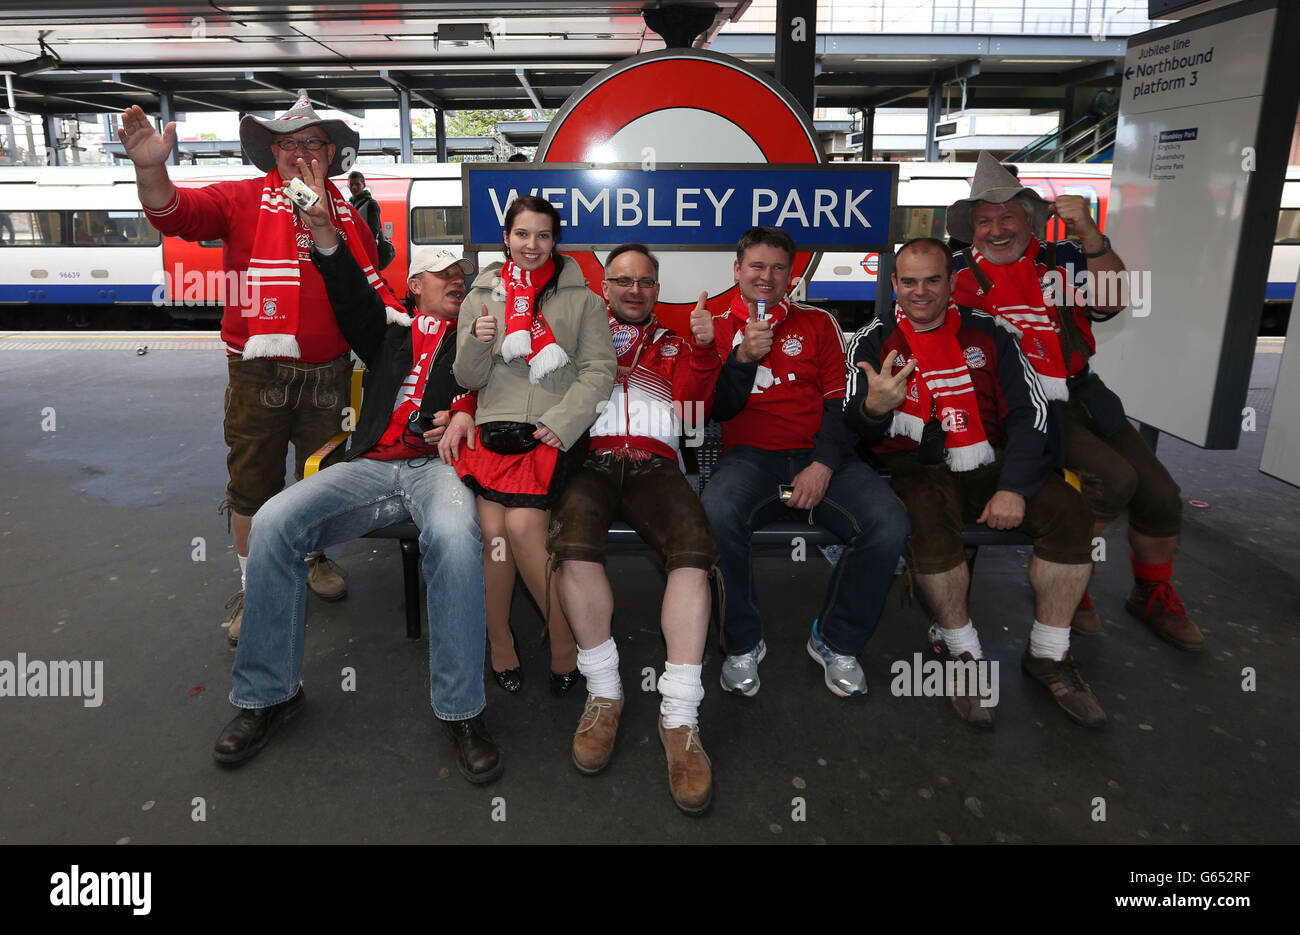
1105 248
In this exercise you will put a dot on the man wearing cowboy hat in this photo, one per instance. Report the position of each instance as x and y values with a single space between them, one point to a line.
289 365
1042 290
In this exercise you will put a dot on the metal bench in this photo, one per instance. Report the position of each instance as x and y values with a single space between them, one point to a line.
701 461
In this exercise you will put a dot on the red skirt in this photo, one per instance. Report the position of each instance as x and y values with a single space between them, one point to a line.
533 479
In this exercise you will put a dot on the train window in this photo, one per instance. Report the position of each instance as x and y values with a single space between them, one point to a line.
437 225
31 228
210 243
910 222
1288 227
113 229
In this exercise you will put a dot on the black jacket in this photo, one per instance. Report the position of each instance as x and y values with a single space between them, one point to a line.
384 347
1013 409
366 206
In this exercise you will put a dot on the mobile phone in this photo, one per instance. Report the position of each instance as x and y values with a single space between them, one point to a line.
785 492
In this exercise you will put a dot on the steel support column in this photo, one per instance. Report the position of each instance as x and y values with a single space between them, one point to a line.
796 50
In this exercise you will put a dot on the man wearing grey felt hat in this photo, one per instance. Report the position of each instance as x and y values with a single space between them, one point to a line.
1043 290
288 363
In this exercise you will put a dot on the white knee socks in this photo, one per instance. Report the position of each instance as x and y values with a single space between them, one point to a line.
600 667
680 692
1049 642
963 640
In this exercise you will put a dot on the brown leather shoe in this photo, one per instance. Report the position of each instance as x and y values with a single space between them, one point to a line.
593 741
690 772
1086 620
477 755
236 606
968 701
248 733
1156 604
325 578
1067 686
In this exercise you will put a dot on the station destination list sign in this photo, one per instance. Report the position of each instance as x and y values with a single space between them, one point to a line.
835 206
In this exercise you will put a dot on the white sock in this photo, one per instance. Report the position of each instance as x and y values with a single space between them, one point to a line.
600 667
680 693
243 571
1049 642
963 640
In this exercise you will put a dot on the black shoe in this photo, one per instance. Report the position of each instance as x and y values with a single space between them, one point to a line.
562 682
248 733
511 679
477 756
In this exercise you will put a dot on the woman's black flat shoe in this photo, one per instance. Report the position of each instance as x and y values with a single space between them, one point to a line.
562 682
511 679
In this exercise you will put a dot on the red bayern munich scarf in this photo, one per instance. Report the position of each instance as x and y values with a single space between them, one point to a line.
274 274
527 333
427 333
1016 296
941 384
775 314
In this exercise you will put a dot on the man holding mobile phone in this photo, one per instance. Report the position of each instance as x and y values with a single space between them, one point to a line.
780 398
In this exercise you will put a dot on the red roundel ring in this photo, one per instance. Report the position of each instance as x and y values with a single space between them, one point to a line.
681 78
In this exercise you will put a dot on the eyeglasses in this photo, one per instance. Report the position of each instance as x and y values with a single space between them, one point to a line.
625 282
312 146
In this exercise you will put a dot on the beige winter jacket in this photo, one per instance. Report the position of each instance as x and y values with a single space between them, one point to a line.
566 400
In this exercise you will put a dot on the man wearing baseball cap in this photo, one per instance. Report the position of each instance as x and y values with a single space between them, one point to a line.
287 359
391 473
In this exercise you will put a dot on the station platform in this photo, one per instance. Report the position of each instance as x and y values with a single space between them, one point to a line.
100 518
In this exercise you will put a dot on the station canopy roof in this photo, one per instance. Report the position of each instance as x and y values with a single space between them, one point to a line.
76 57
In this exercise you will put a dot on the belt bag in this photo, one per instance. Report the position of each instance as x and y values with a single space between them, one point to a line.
508 438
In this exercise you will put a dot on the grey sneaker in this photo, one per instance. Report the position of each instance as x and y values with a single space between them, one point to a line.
1067 687
844 676
740 673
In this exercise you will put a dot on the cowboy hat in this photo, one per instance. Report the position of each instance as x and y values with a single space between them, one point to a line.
257 133
994 184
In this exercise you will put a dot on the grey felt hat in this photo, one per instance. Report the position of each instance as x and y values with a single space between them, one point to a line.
257 133
996 185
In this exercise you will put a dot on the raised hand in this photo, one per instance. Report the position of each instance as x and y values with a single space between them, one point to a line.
144 145
702 322
757 342
1073 210
886 389
313 176
485 326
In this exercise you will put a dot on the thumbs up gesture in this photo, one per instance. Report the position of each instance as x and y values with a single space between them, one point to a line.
485 326
702 322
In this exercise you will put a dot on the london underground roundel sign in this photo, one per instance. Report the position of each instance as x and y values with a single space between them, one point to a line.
682 106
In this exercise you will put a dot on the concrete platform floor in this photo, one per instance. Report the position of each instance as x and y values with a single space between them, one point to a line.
99 518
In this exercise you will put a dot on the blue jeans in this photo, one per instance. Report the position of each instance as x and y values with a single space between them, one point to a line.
341 503
859 508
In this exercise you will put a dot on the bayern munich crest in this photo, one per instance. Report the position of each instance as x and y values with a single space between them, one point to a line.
521 304
975 358
624 336
792 346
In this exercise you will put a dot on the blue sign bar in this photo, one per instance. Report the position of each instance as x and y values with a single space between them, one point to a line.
691 207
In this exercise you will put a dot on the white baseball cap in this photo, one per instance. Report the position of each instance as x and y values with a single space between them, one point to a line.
435 260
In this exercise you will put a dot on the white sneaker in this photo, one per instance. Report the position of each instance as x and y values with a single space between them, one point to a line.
740 673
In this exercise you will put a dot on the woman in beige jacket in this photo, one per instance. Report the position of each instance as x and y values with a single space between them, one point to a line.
534 342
